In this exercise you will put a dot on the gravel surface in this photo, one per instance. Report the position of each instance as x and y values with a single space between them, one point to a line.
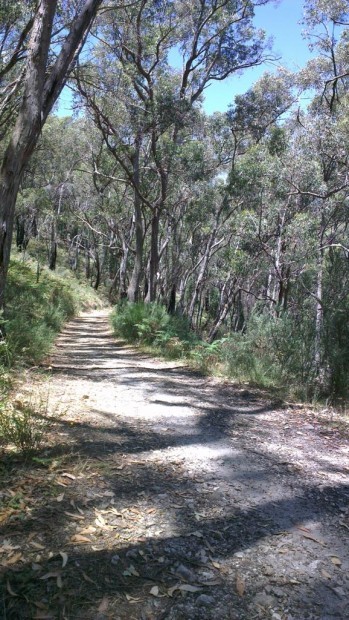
198 499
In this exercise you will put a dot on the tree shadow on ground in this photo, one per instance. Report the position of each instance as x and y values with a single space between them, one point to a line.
114 508
153 524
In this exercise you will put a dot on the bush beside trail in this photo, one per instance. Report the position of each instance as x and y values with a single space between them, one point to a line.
37 306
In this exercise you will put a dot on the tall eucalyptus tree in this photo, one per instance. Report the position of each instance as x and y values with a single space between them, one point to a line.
156 58
44 52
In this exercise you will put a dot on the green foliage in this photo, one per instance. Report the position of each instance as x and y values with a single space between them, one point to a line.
36 309
273 352
150 324
268 354
23 425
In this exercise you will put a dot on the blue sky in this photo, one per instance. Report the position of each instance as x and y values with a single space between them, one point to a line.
281 21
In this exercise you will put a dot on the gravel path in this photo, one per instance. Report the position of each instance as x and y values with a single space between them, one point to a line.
198 499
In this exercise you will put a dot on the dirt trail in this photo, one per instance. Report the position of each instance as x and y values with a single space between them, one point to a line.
174 496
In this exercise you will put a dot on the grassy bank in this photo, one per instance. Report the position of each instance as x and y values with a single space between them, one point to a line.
273 353
37 306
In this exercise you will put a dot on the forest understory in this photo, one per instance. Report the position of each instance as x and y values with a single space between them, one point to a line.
160 493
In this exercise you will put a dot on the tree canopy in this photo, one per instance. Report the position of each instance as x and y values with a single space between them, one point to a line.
238 220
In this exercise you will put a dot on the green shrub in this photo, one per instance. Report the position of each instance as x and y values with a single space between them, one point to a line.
150 324
23 425
273 352
139 322
36 310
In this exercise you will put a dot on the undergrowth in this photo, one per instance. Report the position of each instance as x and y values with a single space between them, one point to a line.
150 325
274 353
36 309
37 306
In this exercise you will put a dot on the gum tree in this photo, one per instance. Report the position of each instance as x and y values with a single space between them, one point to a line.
43 61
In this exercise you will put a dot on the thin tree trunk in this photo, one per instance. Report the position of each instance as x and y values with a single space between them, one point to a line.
39 95
134 285
154 257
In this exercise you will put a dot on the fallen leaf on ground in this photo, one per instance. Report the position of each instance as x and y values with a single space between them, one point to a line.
212 582
155 591
13 559
88 579
40 605
67 475
336 561
104 604
37 545
50 575
7 546
183 587
132 599
344 524
90 529
131 571
325 574
60 497
9 589
64 557
311 537
77 538
73 515
240 585
36 567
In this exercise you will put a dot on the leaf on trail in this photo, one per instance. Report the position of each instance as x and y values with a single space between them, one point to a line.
336 561
183 587
197 534
216 565
77 538
344 524
9 589
51 575
90 529
37 545
131 571
67 475
132 599
88 579
311 537
7 546
155 591
36 567
60 497
40 605
59 582
209 547
13 559
104 604
325 574
73 515
240 585
64 557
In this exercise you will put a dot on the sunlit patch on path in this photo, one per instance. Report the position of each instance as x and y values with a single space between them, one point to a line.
162 494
